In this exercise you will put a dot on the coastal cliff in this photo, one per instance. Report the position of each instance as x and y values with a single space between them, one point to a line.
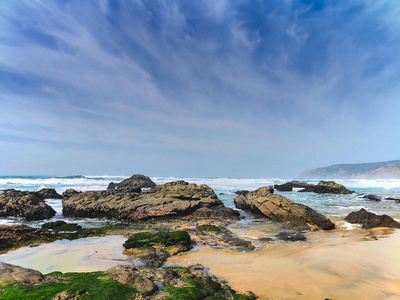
378 170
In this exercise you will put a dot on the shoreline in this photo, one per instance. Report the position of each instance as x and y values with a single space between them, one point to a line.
338 264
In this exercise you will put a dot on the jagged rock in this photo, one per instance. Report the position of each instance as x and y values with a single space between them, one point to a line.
49 194
221 237
288 186
176 198
10 274
371 220
152 249
243 192
16 233
372 197
29 205
69 192
327 187
138 180
281 209
291 236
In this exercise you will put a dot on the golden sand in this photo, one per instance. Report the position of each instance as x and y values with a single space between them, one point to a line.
338 265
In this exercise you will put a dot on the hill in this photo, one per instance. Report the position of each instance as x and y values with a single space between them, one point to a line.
377 170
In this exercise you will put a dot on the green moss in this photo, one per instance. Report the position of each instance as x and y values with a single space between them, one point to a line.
149 239
86 285
203 229
61 226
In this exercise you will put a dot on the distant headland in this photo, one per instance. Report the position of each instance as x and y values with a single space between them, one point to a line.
376 170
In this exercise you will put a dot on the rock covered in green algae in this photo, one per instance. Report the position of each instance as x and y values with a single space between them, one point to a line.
61 226
281 209
152 249
29 205
120 282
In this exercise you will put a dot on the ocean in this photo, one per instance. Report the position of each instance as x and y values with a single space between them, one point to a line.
335 207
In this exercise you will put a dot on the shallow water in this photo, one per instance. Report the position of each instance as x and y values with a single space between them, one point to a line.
81 255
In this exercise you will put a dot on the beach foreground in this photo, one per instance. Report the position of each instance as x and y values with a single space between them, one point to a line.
338 264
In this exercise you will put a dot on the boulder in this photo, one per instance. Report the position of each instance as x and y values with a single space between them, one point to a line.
138 180
291 236
29 205
288 186
177 198
49 194
371 220
372 197
327 187
281 209
11 274
69 192
243 192
10 235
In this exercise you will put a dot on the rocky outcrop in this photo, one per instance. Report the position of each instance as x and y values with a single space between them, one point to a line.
152 249
372 197
281 209
327 187
291 236
221 237
10 235
49 194
11 274
70 192
138 180
371 220
177 198
288 186
29 205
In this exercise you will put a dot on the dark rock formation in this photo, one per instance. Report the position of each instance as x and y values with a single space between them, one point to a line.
371 220
393 199
244 192
29 205
49 194
327 187
281 209
10 235
11 274
176 198
138 180
69 192
61 226
221 237
154 248
288 186
372 197
291 236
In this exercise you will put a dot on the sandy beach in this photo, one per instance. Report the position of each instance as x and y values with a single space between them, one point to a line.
338 265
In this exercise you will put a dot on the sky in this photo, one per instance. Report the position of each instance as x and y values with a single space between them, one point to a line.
210 88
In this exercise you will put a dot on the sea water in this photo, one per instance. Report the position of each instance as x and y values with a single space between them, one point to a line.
333 206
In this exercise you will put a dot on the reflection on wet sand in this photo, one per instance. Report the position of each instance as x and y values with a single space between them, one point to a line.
338 265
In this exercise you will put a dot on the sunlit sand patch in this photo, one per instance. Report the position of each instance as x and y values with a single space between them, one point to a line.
340 264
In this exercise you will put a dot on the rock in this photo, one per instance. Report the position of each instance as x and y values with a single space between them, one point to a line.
393 199
177 198
29 205
327 187
371 220
288 186
138 180
221 237
217 212
131 276
153 249
372 197
61 226
49 194
69 192
10 274
10 235
281 209
244 192
291 236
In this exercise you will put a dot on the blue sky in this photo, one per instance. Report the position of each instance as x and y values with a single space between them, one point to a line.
197 88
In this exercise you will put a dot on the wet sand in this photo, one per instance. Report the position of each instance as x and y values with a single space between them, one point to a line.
339 264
